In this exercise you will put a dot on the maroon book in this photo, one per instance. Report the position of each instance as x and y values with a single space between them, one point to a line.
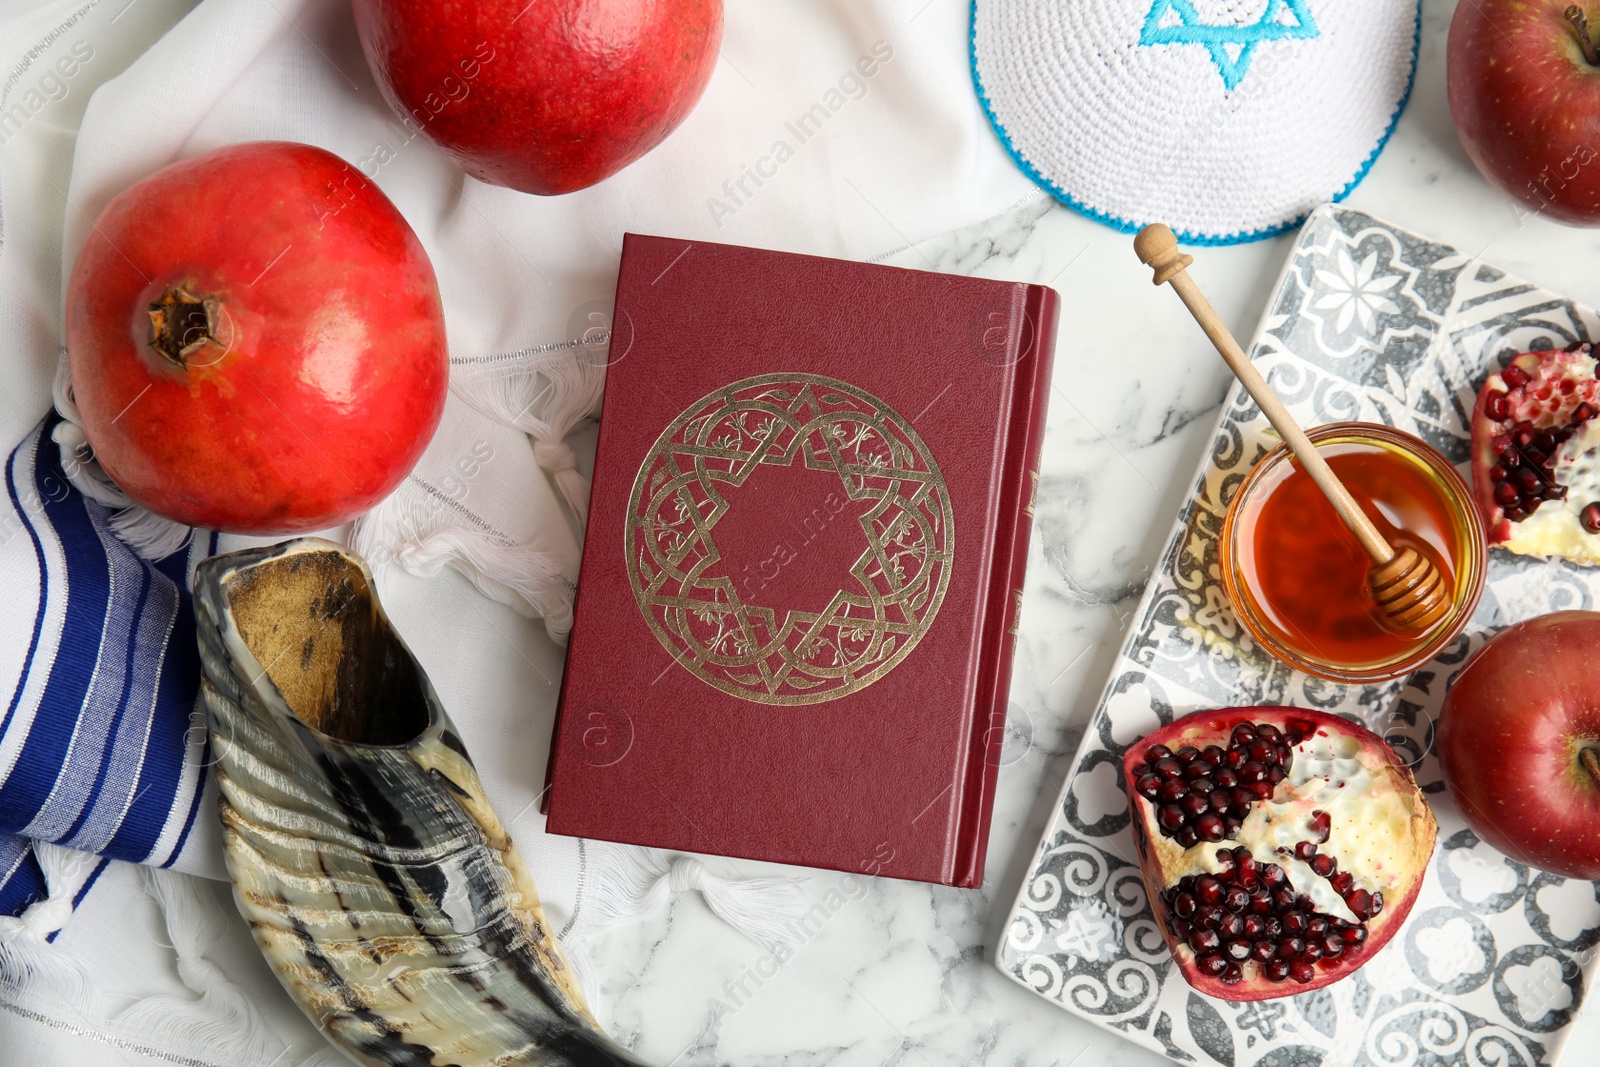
804 560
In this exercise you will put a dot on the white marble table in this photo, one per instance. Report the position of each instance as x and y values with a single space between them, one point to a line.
905 976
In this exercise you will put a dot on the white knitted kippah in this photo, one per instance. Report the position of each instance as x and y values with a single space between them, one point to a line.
1227 119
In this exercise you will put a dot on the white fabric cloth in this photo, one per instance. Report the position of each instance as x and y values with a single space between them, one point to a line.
882 161
1229 120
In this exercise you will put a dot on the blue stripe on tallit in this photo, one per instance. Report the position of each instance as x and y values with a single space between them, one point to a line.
107 765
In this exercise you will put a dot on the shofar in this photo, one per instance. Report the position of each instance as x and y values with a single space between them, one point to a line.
378 882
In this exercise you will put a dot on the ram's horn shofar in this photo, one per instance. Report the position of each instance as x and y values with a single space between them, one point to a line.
383 890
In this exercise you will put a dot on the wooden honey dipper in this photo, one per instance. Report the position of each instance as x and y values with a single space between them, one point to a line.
1406 584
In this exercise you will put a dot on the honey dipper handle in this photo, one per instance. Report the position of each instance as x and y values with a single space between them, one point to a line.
1158 248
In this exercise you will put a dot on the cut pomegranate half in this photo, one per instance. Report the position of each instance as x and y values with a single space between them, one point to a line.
1281 848
1536 454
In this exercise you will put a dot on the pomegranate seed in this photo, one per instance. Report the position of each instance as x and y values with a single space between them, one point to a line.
1212 755
1555 492
1584 412
1268 732
1495 407
1167 767
1274 928
1590 517
1290 947
1231 827
1225 779
1322 864
1220 801
1517 514
1276 775
1196 803
1183 905
1342 883
1254 925
1317 926
1510 458
1242 799
1332 945
1170 816
1242 735
1232 926
1276 970
1205 941
1180 927
1263 752
1523 437
1360 904
1567 386
1207 890
1148 786
1208 918
1209 827
1353 935
1272 875
1211 966
1186 838
1312 952
1202 785
1302 972
1319 826
1186 753
1198 768
1238 951
1527 481
1505 494
1294 922
1172 791
1514 377
1304 850
1544 440
1282 900
1156 753
1261 951
1235 899
1231 975
1377 903
1497 473
1252 772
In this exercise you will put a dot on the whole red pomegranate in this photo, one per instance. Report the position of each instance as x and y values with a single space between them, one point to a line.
544 97
1519 743
256 341
1281 848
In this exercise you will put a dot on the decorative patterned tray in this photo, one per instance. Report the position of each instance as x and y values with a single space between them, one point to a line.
1373 323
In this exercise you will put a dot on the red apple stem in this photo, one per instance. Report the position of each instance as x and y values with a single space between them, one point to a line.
1591 763
1580 22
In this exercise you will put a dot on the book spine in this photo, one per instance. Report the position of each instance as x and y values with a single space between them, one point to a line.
1034 355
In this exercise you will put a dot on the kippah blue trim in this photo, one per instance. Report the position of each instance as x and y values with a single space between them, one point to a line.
1128 226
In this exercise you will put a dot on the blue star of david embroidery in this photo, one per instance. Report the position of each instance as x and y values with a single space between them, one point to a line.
1232 48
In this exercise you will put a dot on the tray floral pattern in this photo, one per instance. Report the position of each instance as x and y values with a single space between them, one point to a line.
1369 322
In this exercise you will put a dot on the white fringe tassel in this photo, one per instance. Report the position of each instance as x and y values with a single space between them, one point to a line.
419 537
638 882
147 533
570 392
27 959
219 1018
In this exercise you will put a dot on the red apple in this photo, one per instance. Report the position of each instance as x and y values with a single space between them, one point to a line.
1525 95
1519 739
545 96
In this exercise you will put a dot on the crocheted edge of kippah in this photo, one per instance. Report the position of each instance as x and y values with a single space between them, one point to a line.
1127 226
